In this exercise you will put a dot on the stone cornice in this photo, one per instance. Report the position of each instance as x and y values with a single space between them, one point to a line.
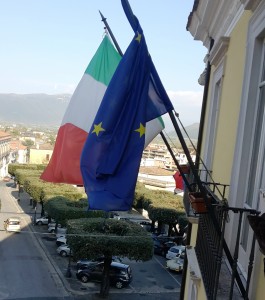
250 4
213 19
219 50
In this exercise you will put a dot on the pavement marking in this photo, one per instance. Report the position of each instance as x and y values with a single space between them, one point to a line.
166 270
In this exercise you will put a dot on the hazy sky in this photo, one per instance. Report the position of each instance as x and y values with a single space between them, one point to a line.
46 45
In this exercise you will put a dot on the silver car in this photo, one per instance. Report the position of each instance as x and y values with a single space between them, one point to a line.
64 250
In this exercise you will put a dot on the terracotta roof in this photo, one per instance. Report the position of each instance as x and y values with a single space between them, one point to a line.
45 146
4 135
156 171
17 145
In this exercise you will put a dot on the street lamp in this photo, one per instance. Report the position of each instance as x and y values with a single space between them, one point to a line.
68 271
35 212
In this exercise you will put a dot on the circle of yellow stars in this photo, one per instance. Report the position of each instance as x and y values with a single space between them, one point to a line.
98 128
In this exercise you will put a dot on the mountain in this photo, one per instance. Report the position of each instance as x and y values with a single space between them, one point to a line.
33 109
192 132
48 110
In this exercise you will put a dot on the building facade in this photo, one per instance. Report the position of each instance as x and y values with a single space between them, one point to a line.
5 139
233 131
41 154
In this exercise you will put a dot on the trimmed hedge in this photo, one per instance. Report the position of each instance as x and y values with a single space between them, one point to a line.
94 237
162 206
62 209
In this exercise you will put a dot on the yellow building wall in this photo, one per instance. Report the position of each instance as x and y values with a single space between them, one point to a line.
38 156
258 278
201 295
226 134
230 102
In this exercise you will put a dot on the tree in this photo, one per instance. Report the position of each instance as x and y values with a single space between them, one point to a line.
94 237
51 139
28 143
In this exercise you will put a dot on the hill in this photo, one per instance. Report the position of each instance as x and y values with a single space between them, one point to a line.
33 109
48 110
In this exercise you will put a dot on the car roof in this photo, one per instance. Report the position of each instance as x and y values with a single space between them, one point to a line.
114 264
119 265
179 247
14 219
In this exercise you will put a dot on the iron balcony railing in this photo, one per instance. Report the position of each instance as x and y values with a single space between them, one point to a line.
211 247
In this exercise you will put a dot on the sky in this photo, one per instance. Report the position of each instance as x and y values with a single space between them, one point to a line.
46 45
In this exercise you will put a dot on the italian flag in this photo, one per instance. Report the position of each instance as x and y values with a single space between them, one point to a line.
64 166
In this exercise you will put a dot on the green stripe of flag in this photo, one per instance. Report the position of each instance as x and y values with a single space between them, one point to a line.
106 55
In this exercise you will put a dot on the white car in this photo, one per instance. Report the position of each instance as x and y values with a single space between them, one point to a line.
43 220
12 224
61 240
64 250
175 251
60 230
175 264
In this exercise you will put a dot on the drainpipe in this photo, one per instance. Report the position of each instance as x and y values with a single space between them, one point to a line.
203 109
197 162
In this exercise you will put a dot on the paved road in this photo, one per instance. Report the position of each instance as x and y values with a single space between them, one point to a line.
151 280
25 271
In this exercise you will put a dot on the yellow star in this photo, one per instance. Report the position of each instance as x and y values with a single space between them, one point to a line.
139 36
98 128
141 130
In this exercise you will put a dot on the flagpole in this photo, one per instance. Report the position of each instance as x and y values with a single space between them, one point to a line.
104 20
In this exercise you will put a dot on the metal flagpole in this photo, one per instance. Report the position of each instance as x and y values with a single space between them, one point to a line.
104 20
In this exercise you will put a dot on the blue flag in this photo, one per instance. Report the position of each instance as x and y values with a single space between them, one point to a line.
112 153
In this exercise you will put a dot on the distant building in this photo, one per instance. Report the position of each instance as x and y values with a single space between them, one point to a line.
5 139
18 152
159 156
41 154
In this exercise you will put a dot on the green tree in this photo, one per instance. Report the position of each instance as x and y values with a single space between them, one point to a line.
28 143
93 237
51 139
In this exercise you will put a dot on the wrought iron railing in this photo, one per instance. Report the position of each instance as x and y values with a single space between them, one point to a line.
211 247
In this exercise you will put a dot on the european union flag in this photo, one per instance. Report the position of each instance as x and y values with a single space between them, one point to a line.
112 153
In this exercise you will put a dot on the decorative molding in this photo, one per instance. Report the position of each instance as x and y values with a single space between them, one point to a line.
250 4
194 268
193 220
213 19
219 50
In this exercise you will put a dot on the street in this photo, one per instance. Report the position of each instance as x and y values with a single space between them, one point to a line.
34 270
25 273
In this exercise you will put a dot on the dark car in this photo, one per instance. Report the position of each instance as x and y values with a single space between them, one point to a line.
162 246
120 274
85 263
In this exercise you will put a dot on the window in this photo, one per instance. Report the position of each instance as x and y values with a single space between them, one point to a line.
248 173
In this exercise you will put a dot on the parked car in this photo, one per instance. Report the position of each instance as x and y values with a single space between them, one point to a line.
43 220
64 250
61 240
161 247
12 224
147 225
120 274
175 251
7 178
60 230
175 264
85 263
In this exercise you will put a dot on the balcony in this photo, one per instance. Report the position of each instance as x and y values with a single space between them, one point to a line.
218 265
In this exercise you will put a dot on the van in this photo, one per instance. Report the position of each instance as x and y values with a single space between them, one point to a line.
12 224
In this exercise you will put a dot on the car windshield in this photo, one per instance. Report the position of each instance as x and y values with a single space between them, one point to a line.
13 222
